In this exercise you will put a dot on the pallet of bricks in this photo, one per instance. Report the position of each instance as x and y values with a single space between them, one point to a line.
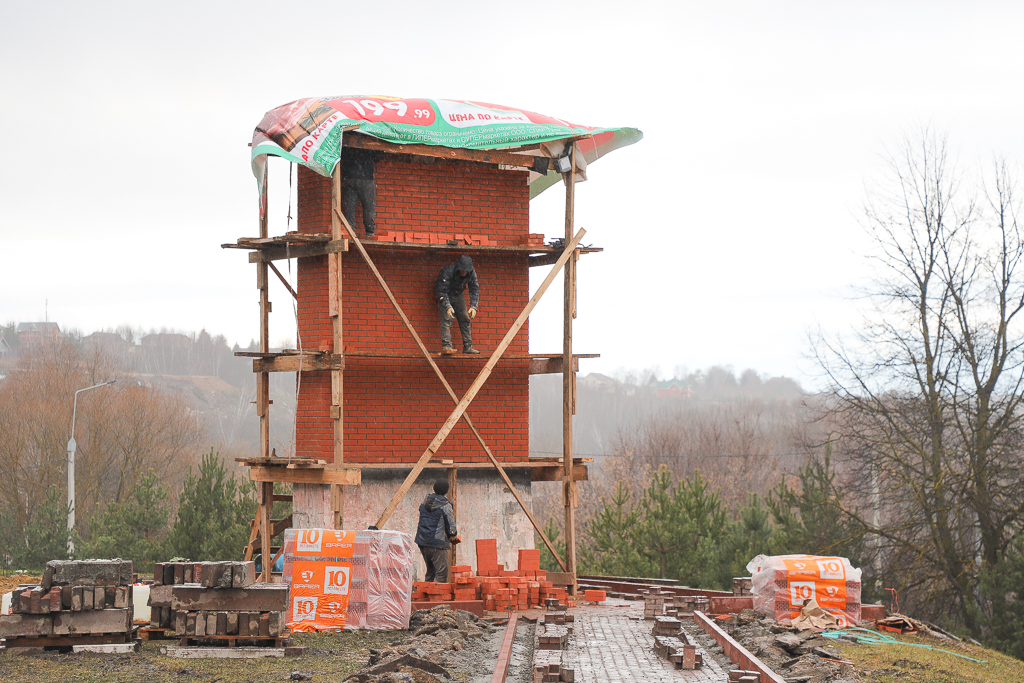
671 643
500 589
551 640
218 604
78 602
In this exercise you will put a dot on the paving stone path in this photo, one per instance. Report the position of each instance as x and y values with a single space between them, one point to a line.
613 644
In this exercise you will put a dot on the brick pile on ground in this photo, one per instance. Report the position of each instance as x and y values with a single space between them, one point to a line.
437 638
74 598
800 656
500 589
222 599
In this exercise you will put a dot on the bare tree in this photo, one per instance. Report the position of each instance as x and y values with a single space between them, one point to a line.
926 397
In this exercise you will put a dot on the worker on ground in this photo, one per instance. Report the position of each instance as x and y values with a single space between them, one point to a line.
451 282
358 170
436 532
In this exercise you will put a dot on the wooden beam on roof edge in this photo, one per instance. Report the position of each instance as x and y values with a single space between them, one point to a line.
298 251
539 164
310 363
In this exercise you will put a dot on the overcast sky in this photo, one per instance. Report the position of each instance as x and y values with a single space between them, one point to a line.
730 230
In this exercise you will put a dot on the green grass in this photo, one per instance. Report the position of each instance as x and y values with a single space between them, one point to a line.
329 657
906 664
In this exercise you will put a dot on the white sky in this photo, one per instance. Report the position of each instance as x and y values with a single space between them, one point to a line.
730 231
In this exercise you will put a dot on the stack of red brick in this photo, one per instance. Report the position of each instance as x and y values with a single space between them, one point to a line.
436 237
500 589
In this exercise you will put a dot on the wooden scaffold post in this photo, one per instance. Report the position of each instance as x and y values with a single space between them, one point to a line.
568 375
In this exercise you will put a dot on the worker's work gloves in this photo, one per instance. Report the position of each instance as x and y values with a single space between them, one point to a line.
472 313
451 312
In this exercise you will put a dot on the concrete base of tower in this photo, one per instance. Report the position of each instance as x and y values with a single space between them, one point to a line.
485 508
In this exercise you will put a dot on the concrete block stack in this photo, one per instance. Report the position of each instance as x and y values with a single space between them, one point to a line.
223 602
75 598
654 603
688 604
741 585
553 631
549 668
671 643
166 575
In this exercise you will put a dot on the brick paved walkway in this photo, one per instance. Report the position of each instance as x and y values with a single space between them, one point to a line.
613 644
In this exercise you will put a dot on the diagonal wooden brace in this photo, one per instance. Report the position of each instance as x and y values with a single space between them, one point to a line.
474 388
448 388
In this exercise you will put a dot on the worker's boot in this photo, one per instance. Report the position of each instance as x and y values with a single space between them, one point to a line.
447 351
469 349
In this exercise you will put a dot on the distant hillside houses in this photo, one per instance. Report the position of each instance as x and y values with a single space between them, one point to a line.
673 388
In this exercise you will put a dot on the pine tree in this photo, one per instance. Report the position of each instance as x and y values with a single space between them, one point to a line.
611 551
1003 587
214 514
547 560
46 534
134 529
811 520
745 538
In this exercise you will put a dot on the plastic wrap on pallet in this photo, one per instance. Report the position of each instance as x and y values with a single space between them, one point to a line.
781 584
348 579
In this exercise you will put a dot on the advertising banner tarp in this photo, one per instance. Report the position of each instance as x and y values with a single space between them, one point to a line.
309 131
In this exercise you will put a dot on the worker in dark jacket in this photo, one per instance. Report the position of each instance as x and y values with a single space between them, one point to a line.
451 282
436 532
358 168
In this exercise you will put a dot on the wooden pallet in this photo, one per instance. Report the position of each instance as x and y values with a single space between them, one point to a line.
281 641
148 633
68 641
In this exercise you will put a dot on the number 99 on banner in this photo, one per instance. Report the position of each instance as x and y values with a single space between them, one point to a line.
336 579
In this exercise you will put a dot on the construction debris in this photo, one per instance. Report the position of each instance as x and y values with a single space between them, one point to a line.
794 654
437 638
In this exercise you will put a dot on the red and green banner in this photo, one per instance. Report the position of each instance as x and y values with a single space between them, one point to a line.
309 131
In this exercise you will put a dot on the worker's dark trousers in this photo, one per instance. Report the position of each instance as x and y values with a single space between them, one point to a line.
437 564
465 324
365 192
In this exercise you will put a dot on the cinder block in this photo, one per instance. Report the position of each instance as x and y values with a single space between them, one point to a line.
258 597
95 621
13 625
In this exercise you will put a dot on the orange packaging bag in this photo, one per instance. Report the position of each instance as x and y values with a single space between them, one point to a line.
348 579
782 584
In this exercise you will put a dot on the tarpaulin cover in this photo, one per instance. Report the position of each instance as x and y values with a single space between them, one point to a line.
348 579
308 131
781 584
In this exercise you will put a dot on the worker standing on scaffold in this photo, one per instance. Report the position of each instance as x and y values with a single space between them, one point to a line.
451 282
436 532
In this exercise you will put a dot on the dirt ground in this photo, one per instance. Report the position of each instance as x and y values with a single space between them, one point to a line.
329 657
9 583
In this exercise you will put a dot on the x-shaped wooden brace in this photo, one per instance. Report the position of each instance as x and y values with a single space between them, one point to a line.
461 405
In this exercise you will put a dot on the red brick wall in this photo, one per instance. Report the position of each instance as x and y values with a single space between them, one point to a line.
394 407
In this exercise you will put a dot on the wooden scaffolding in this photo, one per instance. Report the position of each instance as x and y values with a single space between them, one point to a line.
267 469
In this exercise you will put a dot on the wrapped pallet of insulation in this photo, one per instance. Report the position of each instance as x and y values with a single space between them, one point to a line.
782 585
348 579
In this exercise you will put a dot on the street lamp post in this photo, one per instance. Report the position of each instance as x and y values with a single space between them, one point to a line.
72 446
